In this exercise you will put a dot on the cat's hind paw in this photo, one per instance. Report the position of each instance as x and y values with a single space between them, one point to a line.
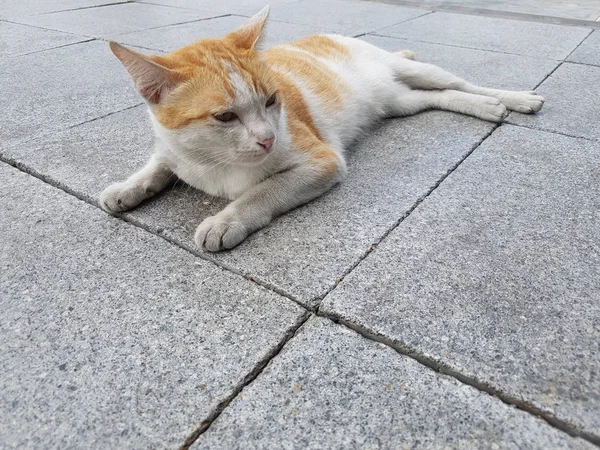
219 232
527 102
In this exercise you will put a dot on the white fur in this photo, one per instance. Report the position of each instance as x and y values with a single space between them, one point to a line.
224 159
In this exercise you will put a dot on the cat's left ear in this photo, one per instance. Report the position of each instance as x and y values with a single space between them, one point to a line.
247 36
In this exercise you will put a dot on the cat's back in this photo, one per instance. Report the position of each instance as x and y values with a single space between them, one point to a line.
310 67
334 84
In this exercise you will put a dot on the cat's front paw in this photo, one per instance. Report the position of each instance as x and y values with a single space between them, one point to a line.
220 232
120 197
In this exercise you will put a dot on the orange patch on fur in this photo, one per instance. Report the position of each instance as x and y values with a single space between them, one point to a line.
294 103
321 45
318 78
205 66
319 153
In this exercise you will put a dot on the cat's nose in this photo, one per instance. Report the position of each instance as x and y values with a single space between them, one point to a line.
266 143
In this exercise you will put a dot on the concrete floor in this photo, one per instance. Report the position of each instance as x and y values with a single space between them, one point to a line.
588 10
445 295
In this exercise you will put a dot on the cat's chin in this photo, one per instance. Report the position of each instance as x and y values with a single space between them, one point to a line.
252 160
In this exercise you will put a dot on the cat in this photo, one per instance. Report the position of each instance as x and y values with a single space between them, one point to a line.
268 129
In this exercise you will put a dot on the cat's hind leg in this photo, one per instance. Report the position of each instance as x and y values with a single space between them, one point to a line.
420 75
409 101
138 187
408 54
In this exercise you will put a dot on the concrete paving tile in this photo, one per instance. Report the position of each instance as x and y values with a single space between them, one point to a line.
113 20
246 8
170 38
18 39
579 9
345 17
24 8
58 88
112 337
589 51
302 252
501 35
331 388
516 72
571 103
497 274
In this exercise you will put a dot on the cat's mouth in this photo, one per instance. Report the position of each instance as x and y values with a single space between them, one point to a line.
254 156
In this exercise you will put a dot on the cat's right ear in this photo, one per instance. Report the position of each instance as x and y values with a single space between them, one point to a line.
151 80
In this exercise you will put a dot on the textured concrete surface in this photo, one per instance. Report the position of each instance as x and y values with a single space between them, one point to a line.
509 36
55 89
497 274
345 17
246 8
173 37
116 335
17 10
331 388
513 72
589 51
111 337
574 9
112 20
573 109
18 39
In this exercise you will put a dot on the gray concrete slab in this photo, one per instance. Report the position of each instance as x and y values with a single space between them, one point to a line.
59 88
571 103
389 171
170 38
345 17
510 36
589 51
87 158
246 8
513 72
18 39
574 9
497 274
112 20
112 337
24 8
331 388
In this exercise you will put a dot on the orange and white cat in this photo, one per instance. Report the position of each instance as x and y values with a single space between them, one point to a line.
268 129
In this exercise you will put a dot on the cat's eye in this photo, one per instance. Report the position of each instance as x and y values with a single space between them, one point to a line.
225 117
271 100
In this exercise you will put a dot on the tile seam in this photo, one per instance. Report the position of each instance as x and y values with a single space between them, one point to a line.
578 45
378 34
495 14
447 369
398 222
83 41
83 7
248 379
135 223
547 130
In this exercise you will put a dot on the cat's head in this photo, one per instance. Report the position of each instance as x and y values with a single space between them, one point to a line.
215 99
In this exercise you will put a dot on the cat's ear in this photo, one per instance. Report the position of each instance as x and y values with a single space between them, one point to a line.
151 80
248 35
